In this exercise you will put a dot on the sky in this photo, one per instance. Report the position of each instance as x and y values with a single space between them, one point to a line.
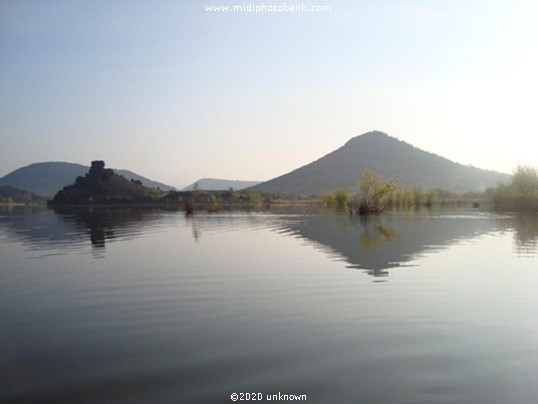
176 93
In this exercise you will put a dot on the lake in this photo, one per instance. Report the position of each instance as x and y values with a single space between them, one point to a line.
151 306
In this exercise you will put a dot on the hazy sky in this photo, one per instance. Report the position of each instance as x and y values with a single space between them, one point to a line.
176 93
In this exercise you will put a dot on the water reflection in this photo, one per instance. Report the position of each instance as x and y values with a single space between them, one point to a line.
374 233
525 233
106 224
66 228
376 244
373 244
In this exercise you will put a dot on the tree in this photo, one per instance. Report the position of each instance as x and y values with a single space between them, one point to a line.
374 194
525 181
521 194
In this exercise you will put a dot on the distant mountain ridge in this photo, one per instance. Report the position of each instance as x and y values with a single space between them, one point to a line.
47 178
384 155
387 157
216 184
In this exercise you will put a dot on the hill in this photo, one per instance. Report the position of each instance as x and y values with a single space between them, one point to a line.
387 157
44 179
47 178
104 186
145 181
215 184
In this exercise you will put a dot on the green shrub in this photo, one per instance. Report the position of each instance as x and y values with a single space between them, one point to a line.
521 194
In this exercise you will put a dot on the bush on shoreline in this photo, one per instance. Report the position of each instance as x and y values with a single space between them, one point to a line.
521 194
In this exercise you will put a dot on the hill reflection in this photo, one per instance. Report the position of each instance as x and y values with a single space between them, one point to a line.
106 224
378 243
66 227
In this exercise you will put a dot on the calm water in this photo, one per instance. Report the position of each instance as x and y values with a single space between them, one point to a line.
148 306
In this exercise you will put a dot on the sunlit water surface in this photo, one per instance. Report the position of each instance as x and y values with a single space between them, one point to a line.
147 306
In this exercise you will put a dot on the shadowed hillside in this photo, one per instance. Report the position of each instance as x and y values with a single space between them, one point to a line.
104 186
387 157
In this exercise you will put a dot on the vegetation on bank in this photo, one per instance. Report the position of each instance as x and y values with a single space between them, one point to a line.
214 201
375 195
14 196
338 199
521 194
